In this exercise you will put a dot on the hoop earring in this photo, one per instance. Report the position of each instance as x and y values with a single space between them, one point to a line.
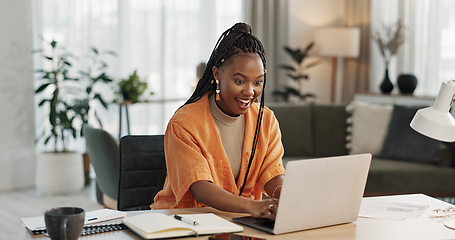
217 91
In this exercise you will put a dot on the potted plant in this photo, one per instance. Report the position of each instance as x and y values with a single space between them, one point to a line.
297 72
131 89
96 73
59 170
92 76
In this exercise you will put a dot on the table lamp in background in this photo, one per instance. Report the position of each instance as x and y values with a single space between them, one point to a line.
337 42
436 121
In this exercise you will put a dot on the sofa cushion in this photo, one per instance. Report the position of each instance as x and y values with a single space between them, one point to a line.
296 128
329 130
370 124
405 144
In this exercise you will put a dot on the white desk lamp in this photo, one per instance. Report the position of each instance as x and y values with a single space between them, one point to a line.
436 121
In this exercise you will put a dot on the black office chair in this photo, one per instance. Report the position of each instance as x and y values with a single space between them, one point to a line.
103 150
142 171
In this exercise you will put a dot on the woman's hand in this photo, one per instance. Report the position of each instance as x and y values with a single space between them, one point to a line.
263 209
212 195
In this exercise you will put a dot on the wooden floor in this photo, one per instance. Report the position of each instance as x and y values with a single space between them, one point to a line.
29 203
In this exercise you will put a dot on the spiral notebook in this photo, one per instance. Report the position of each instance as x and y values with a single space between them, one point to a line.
91 229
98 221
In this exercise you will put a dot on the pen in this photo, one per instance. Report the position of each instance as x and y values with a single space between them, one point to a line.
189 221
91 219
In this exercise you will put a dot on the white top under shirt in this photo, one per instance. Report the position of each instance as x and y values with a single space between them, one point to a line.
232 131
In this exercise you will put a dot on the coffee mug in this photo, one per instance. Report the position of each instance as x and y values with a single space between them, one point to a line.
64 223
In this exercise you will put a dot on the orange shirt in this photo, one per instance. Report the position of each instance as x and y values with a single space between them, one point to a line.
194 152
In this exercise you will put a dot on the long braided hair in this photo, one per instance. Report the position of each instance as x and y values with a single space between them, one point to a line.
235 40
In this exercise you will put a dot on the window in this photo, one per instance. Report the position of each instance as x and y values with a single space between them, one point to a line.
428 52
164 40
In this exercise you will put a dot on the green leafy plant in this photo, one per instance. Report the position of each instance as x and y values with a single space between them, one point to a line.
297 72
95 73
52 78
131 89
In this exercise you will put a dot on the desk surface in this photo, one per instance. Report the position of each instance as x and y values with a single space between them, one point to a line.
364 228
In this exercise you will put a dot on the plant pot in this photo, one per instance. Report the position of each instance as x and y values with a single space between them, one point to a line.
59 173
125 96
407 83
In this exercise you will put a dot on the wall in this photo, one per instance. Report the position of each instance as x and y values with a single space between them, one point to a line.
17 151
305 16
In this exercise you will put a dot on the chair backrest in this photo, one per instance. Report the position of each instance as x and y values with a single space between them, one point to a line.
142 171
103 150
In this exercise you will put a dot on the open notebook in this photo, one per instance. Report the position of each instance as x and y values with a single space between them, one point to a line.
158 225
317 193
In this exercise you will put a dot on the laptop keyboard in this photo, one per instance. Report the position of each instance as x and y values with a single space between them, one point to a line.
266 223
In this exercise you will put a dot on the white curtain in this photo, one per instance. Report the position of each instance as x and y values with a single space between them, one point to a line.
164 40
269 21
428 52
356 71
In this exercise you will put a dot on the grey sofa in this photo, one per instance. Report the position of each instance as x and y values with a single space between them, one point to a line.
315 130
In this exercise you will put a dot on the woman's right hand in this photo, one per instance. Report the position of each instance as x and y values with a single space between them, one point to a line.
212 195
263 209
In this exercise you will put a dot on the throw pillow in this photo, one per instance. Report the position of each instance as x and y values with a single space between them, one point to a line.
403 143
329 130
370 124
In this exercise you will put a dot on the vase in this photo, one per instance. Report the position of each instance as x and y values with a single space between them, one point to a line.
386 85
407 83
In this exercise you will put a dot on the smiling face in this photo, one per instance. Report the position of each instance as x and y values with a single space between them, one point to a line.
241 80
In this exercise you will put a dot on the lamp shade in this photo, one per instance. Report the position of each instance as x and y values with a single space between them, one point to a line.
436 121
339 42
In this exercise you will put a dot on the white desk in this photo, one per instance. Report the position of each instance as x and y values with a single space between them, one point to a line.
364 228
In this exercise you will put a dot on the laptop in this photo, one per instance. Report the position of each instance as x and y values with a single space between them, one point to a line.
317 193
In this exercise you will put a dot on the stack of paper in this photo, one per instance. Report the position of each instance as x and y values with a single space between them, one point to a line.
374 208
103 215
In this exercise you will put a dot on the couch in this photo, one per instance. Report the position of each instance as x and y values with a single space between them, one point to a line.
401 164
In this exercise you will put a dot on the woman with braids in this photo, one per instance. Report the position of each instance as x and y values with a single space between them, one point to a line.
222 148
